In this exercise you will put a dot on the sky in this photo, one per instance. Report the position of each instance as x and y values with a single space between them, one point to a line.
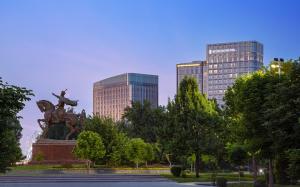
51 45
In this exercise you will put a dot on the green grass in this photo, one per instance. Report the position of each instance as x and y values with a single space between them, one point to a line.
45 167
80 166
206 177
251 185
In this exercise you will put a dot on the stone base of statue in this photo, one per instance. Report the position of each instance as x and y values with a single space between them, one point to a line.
49 151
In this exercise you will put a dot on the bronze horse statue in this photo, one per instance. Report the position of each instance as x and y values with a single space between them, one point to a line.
53 115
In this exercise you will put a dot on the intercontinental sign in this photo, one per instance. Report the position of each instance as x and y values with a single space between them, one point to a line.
221 51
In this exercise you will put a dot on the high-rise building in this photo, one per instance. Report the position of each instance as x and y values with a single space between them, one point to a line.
112 95
196 69
227 61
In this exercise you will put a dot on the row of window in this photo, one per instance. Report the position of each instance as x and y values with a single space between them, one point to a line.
220 92
221 81
189 70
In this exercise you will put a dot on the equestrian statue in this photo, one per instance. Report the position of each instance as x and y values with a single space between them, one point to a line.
59 123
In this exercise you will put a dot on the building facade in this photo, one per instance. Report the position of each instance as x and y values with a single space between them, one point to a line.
112 95
196 69
227 61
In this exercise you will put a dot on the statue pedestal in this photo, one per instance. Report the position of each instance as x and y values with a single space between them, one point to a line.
49 151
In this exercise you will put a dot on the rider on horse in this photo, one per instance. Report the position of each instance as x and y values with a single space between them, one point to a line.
62 100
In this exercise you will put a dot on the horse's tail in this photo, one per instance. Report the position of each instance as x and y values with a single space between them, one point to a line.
45 105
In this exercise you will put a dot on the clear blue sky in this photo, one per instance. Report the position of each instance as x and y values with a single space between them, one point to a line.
51 45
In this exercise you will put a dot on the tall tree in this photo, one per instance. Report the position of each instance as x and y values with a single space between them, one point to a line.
12 101
195 118
266 107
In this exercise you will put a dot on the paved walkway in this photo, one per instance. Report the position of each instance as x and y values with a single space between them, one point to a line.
88 181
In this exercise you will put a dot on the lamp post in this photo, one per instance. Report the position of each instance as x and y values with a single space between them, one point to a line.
278 65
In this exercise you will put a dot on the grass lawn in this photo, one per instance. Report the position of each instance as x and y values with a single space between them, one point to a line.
206 177
251 185
81 166
45 167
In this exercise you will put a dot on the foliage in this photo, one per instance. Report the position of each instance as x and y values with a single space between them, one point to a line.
136 151
176 170
12 101
114 142
210 161
89 146
140 121
39 157
148 152
221 182
265 107
294 165
194 119
237 154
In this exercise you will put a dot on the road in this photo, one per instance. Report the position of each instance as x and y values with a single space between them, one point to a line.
106 180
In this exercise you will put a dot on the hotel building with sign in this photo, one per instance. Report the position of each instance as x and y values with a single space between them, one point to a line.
227 61
224 63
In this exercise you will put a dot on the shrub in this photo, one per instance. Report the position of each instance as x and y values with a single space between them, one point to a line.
260 183
176 171
184 173
39 157
221 182
66 165
294 165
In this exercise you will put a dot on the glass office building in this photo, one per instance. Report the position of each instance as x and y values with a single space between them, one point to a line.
196 69
227 61
112 95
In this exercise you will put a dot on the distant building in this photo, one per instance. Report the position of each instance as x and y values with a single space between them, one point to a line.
112 95
196 69
227 61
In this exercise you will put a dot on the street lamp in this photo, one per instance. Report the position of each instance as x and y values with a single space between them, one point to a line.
278 65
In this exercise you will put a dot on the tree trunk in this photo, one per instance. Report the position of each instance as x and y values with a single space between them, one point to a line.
240 175
137 165
197 164
88 166
254 168
271 181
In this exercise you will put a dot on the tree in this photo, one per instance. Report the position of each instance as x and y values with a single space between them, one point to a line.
12 101
140 121
114 141
89 146
194 120
135 151
148 153
237 156
266 106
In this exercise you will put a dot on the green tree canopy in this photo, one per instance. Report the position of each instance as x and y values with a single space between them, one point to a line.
135 151
89 146
12 101
194 120
114 141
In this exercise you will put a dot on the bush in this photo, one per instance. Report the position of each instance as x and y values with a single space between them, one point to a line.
221 182
176 171
66 165
294 165
39 157
260 183
184 173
